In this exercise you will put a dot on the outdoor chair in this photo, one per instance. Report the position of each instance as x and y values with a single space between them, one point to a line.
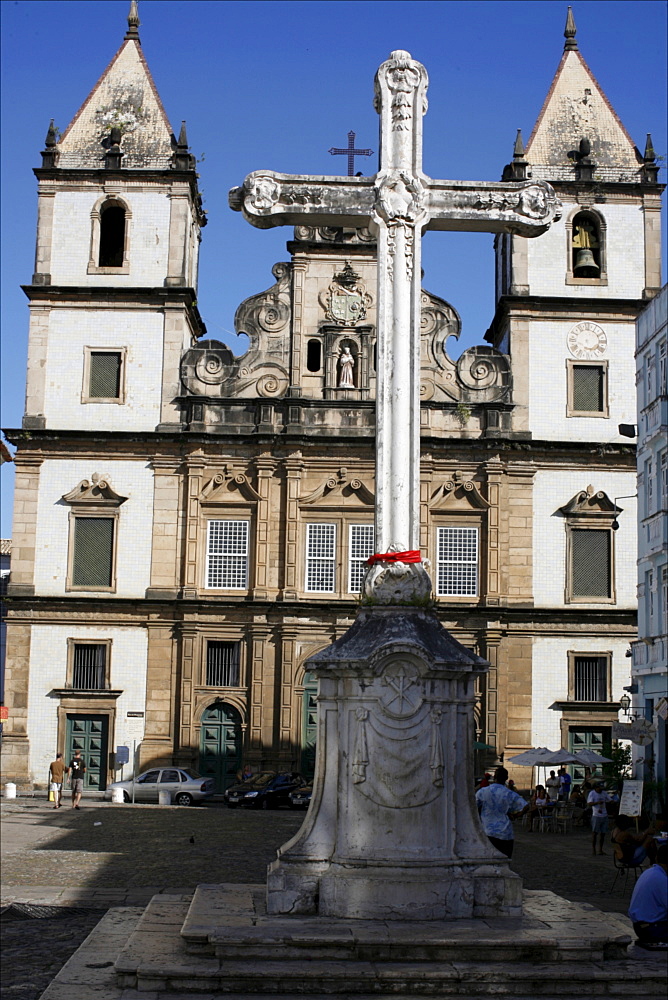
564 818
623 868
547 821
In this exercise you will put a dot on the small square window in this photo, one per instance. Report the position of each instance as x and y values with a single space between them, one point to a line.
104 374
587 389
89 666
457 562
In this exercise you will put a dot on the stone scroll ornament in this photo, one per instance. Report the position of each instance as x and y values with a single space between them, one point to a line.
398 204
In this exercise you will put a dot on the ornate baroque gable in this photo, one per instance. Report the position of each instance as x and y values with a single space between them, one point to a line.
210 368
339 490
94 492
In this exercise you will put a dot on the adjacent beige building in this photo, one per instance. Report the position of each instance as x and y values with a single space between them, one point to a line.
190 526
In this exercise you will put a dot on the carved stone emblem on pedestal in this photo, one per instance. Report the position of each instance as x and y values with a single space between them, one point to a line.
346 300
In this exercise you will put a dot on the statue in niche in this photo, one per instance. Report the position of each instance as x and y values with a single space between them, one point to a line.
346 366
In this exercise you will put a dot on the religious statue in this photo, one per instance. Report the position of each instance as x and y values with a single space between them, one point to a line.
584 237
346 365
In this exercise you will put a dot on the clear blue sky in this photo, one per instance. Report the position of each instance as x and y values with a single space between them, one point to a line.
276 84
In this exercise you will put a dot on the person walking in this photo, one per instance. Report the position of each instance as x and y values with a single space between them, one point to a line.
598 800
56 777
495 802
76 772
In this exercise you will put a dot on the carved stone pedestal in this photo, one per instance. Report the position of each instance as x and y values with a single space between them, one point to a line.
393 830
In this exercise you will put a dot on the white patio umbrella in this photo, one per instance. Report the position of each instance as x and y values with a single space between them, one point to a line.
562 757
531 758
589 757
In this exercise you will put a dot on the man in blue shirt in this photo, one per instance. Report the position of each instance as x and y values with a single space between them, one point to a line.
649 904
494 804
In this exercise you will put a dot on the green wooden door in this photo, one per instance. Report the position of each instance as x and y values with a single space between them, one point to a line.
90 735
587 738
309 725
220 745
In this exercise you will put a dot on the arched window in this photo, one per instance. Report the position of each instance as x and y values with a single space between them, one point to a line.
112 236
586 246
314 355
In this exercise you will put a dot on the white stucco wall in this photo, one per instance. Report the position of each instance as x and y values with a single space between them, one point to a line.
133 480
149 239
547 256
140 333
550 679
553 489
48 667
548 382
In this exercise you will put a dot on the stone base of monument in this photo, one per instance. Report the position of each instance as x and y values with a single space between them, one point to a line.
224 944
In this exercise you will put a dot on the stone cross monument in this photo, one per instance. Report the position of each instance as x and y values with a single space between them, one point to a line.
393 832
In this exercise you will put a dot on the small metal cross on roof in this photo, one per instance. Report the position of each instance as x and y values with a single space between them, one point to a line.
350 152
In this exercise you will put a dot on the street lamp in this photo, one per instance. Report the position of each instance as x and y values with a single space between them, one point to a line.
625 704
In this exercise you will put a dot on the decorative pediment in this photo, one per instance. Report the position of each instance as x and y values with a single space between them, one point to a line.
459 494
225 487
94 492
590 503
340 490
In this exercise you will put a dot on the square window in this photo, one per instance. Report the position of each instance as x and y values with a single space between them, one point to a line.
222 664
227 555
590 678
457 562
587 389
89 661
320 558
104 375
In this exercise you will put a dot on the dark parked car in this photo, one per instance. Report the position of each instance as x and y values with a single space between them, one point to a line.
266 790
301 797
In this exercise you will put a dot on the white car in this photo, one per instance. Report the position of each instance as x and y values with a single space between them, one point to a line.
184 785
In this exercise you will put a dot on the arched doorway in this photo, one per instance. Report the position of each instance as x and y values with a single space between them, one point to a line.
309 725
220 745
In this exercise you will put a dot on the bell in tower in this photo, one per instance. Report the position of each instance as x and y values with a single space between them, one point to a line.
586 245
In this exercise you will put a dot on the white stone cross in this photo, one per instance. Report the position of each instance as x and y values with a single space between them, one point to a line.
398 204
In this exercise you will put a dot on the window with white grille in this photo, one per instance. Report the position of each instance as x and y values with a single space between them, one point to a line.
222 664
360 548
457 562
320 558
227 555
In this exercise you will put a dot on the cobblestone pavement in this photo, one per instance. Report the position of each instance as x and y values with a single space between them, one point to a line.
111 855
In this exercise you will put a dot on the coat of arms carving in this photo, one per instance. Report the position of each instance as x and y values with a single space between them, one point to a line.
346 300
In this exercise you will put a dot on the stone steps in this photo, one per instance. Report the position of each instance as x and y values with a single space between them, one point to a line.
223 944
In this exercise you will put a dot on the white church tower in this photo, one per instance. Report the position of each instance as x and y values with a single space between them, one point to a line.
112 309
566 310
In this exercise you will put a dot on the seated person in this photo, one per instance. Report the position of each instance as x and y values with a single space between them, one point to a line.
649 904
629 847
579 803
538 801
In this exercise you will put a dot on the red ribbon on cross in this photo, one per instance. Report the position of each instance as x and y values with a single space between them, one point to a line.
413 556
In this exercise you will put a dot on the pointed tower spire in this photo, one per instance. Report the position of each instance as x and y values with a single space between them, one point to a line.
181 158
133 22
517 170
50 153
570 30
650 166
183 138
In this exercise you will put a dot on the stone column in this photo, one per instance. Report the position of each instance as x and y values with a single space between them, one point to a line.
24 530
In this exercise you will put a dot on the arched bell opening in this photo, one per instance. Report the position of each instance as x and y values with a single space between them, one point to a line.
112 236
586 246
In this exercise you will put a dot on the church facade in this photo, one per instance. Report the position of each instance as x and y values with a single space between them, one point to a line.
190 526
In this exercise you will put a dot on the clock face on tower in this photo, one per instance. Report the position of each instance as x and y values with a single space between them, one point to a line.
587 341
